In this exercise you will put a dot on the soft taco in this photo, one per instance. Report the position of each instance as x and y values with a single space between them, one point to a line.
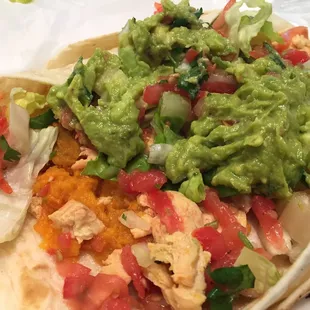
173 174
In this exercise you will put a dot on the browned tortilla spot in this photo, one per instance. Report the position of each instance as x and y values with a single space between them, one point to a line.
34 291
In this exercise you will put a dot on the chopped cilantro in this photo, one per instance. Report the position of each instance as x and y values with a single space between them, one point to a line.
9 153
124 217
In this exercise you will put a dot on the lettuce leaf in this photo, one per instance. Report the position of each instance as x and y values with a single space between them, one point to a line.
13 207
243 30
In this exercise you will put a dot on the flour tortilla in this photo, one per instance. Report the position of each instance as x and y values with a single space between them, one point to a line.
39 275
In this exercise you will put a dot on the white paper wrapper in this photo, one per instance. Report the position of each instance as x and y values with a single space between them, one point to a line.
33 33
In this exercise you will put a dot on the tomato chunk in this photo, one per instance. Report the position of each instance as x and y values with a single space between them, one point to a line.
219 24
296 57
211 241
104 286
289 35
231 227
258 52
191 55
75 286
264 210
152 94
133 269
158 7
69 269
64 240
161 203
141 181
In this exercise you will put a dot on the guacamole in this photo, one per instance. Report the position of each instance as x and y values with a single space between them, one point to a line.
250 139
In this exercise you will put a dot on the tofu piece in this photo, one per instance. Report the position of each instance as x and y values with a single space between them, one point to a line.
140 233
35 207
181 251
113 266
186 288
186 209
90 154
78 219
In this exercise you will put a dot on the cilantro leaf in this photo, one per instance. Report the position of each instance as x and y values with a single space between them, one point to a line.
42 120
9 153
163 132
138 163
198 13
191 80
235 279
100 168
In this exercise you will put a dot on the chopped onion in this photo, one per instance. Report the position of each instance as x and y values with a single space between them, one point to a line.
141 104
295 218
175 106
184 66
307 65
142 254
158 153
131 220
199 107
18 125
221 77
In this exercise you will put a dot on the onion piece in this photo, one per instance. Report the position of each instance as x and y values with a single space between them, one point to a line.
220 77
131 220
19 138
199 108
307 65
295 218
158 153
142 254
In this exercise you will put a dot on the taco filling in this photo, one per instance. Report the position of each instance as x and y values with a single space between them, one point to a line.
180 167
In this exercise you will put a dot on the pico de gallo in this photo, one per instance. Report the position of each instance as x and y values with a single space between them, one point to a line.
181 164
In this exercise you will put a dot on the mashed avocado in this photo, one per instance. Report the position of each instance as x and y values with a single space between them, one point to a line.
110 122
153 40
265 144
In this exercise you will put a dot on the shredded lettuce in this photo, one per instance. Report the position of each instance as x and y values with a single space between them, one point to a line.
265 272
13 207
244 26
28 100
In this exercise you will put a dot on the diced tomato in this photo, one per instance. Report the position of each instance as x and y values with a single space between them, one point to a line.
103 287
211 241
69 269
228 221
220 83
227 260
44 190
4 185
51 252
75 286
191 55
141 181
264 209
158 7
161 203
219 24
153 93
211 68
133 269
201 94
289 35
295 56
116 304
141 115
64 240
258 52
97 244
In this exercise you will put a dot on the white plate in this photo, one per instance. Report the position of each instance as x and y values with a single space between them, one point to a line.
32 34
